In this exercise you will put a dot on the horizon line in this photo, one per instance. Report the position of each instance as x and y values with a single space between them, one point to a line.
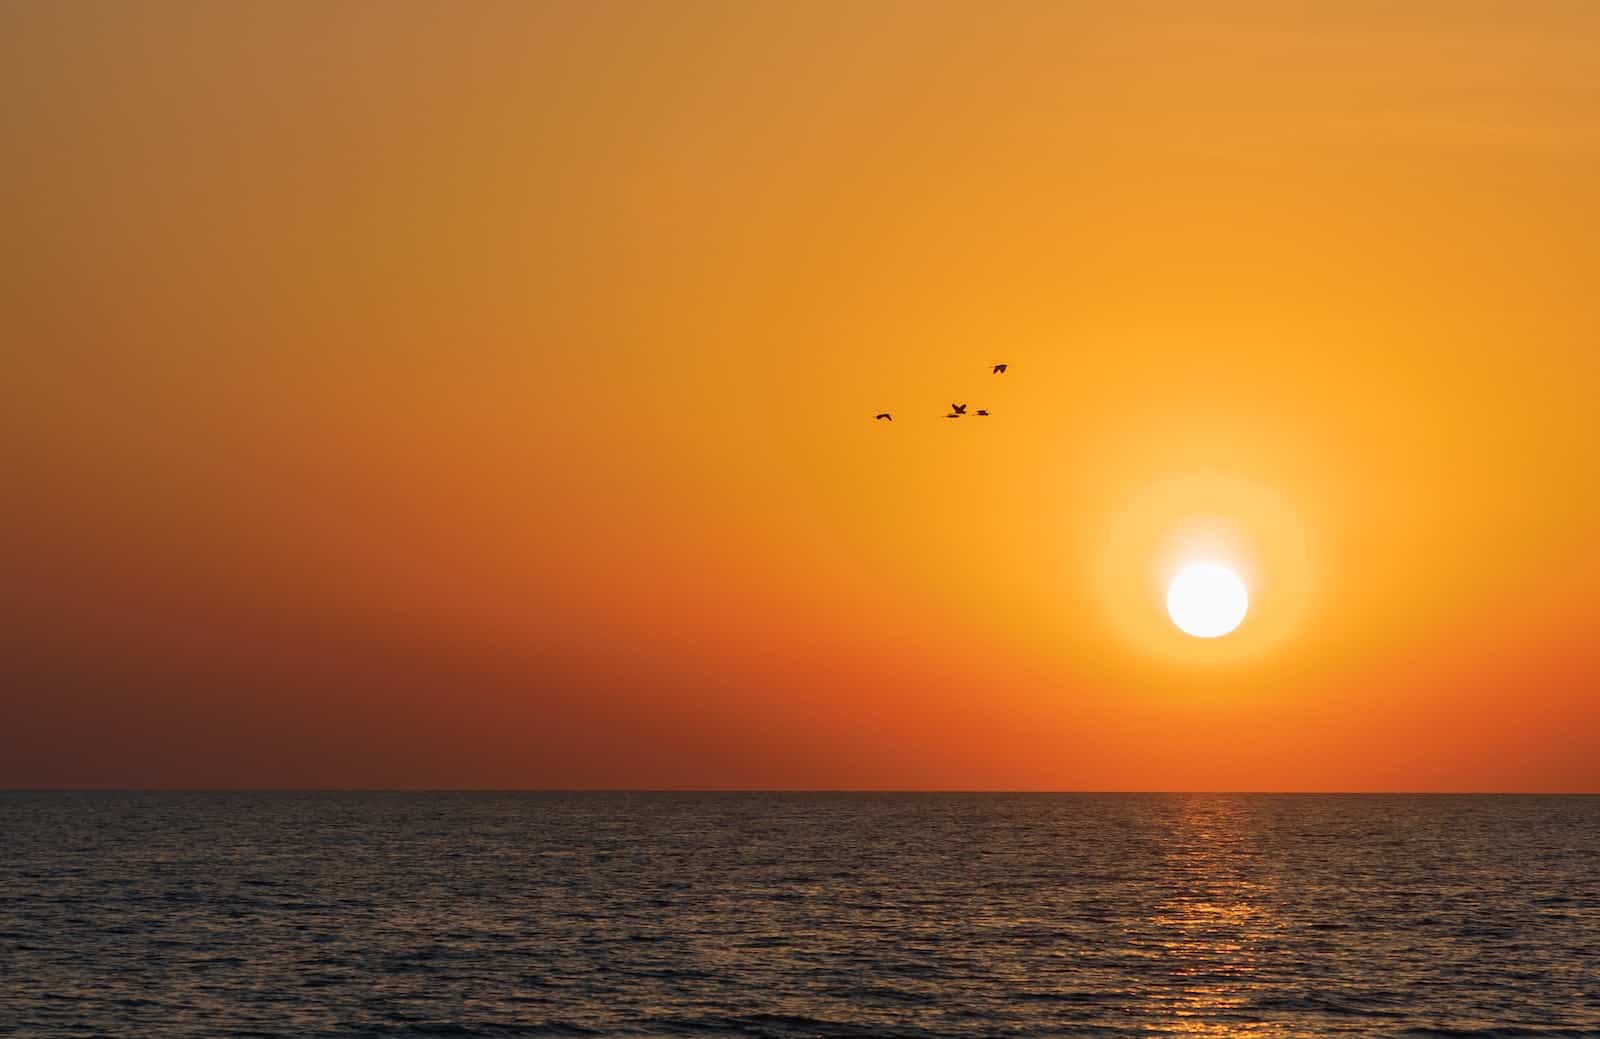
932 791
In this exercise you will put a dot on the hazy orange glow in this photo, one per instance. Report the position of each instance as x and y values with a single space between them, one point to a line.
407 396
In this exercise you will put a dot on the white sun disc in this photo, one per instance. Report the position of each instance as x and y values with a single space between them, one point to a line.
1206 600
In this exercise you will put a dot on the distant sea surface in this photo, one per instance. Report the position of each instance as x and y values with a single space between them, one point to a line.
788 915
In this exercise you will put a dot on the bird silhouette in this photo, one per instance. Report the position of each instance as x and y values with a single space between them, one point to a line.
959 409
954 414
982 412
998 369
883 415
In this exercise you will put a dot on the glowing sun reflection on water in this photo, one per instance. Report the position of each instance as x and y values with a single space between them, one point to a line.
1205 934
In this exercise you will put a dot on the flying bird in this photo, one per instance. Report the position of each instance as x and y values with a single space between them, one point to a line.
883 415
998 369
959 409
982 412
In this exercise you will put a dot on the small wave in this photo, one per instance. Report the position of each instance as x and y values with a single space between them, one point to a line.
1503 1032
1299 1004
543 1028
783 1026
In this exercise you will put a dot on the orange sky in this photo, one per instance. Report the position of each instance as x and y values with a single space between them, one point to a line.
422 395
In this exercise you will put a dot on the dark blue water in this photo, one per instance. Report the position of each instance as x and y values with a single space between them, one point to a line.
797 915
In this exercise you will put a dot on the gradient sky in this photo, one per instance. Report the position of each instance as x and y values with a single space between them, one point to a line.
480 395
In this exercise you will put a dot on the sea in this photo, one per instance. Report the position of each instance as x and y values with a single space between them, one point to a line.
790 915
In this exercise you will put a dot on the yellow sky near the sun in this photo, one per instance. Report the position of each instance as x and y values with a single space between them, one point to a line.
413 394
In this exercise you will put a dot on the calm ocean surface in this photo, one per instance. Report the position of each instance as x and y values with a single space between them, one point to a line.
282 914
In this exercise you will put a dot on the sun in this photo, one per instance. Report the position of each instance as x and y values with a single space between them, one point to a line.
1207 600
